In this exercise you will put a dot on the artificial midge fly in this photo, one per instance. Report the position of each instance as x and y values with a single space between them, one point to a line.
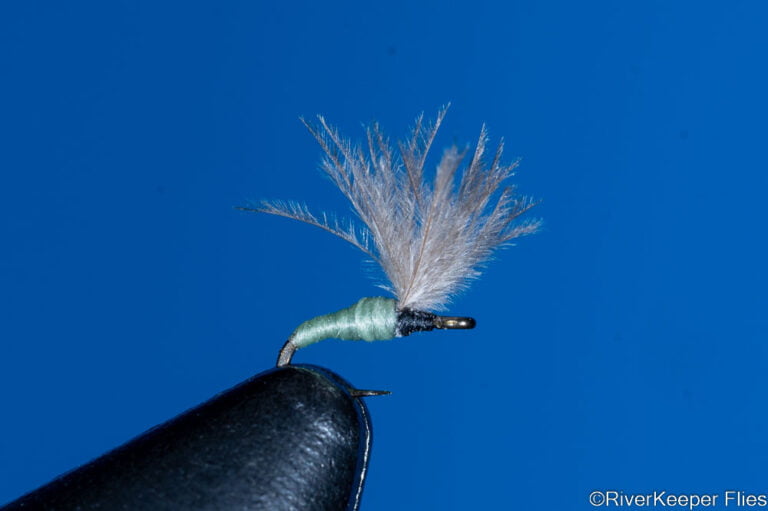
430 239
370 319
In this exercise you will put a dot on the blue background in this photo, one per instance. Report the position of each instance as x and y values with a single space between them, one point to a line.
624 347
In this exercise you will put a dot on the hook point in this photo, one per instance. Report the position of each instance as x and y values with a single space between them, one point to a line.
368 393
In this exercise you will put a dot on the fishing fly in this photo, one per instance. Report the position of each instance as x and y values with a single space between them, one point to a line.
429 238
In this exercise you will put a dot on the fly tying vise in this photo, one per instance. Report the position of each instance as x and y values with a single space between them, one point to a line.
429 239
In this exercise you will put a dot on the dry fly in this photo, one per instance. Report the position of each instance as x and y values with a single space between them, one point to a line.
429 238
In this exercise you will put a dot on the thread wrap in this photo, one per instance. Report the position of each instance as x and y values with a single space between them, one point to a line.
370 319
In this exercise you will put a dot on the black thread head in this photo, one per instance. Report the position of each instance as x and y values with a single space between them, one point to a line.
410 320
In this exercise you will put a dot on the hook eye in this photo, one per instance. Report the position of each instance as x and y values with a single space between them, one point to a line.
454 322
